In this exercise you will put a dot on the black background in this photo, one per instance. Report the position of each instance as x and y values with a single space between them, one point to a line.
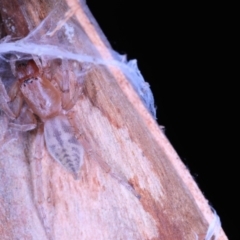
182 51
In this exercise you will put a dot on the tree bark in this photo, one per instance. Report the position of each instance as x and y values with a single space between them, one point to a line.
133 184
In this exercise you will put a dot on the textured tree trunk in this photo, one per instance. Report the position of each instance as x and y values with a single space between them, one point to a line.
133 184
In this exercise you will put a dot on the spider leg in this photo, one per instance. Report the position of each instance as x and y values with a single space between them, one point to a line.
38 63
25 122
64 82
69 102
119 177
14 90
5 136
16 104
67 81
39 197
74 82
13 65
4 99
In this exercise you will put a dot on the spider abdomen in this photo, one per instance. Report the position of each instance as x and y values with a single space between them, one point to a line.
62 144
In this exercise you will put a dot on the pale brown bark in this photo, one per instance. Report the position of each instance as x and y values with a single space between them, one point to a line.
121 134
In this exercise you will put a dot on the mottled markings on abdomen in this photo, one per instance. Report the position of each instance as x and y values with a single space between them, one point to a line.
57 135
62 144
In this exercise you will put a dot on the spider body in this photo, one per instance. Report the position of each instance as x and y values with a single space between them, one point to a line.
44 99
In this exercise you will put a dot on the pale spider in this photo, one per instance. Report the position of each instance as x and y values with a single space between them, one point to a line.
37 91
48 96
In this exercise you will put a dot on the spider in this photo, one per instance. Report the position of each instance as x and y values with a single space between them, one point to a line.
37 93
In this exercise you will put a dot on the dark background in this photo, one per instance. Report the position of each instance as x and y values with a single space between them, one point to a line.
182 51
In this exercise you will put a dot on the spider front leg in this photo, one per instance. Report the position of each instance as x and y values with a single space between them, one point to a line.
69 83
14 58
